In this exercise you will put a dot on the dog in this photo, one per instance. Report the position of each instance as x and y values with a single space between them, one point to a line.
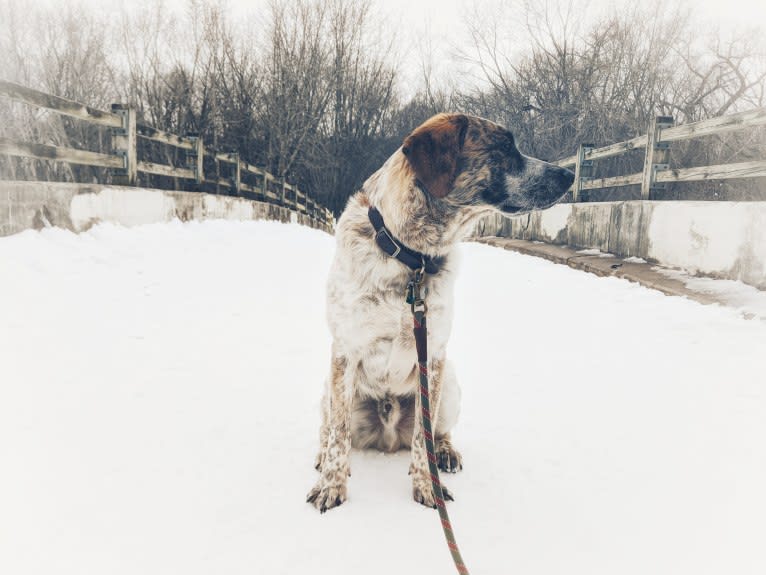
409 215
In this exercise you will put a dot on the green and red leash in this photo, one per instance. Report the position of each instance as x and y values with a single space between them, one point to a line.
416 298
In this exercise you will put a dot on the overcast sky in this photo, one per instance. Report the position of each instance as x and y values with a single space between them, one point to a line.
440 25
443 17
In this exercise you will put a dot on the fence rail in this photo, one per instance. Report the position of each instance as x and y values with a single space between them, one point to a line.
126 165
162 137
657 171
69 155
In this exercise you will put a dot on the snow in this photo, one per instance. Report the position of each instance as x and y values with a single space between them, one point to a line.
159 415
634 260
594 252
748 300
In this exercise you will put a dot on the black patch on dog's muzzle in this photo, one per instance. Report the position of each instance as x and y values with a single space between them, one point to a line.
538 192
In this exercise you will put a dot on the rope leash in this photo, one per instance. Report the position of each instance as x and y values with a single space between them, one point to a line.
416 298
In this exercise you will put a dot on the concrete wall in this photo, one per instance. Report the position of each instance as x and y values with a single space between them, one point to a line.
718 239
77 207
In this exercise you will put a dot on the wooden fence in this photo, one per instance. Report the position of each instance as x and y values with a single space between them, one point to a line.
125 163
657 170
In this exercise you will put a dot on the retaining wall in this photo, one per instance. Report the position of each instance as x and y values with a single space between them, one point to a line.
718 239
77 207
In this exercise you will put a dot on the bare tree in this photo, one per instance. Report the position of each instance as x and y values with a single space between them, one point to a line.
296 93
603 83
361 84
63 53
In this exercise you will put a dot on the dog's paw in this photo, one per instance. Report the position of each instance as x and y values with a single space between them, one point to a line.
448 458
325 497
423 493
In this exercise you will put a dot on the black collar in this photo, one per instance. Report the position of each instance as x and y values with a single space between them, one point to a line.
396 249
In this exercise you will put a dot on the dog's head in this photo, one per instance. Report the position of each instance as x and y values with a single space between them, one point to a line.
471 161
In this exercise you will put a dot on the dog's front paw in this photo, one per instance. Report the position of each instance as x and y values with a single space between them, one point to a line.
423 493
325 496
448 458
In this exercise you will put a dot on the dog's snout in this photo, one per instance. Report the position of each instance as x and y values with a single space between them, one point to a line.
387 407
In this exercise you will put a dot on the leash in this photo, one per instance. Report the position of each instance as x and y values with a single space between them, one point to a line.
416 294
420 264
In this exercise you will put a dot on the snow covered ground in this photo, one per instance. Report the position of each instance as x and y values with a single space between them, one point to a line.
159 391
750 301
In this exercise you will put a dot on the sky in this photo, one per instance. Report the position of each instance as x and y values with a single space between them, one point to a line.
438 28
442 21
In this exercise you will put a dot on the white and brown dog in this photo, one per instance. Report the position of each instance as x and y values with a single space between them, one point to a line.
427 196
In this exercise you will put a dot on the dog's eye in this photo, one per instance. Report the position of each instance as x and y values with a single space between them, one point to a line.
504 146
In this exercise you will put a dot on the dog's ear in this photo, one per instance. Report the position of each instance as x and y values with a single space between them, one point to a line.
433 150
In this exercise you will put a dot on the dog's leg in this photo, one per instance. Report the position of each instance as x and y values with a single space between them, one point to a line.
422 490
447 457
324 428
330 490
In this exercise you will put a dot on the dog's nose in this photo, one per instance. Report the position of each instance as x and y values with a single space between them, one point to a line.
387 407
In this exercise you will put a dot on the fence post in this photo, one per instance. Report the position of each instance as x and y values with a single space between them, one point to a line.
217 174
195 159
583 170
266 186
657 155
294 201
282 201
124 144
237 173
304 208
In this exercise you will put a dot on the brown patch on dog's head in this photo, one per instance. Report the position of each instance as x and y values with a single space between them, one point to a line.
433 149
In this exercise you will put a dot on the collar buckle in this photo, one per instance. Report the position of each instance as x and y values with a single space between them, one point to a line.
385 232
393 248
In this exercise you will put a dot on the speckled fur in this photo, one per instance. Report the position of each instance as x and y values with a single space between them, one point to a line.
449 172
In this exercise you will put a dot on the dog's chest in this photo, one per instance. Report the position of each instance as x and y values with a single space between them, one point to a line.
388 359
376 328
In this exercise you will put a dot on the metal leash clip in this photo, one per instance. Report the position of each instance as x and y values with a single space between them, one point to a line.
414 296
